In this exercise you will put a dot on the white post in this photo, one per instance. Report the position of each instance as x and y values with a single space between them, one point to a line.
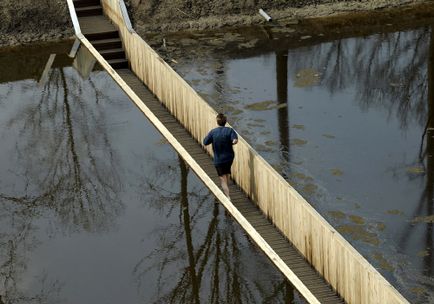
74 18
265 15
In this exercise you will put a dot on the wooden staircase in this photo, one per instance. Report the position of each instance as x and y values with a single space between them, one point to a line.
100 32
88 8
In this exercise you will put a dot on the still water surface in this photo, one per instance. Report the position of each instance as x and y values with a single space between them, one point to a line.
95 207
349 122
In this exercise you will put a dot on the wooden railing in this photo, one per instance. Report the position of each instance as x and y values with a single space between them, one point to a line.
234 212
352 276
74 17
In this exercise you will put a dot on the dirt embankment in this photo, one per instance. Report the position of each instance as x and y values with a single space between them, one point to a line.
26 21
174 15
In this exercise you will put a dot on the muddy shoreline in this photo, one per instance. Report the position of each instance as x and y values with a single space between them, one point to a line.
24 38
35 33
284 16
253 40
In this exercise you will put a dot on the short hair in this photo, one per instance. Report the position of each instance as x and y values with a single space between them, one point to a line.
221 119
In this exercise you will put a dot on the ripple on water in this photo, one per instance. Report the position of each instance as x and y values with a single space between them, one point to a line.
380 226
336 172
423 253
261 106
357 219
248 44
307 78
299 127
298 142
309 189
236 112
339 215
394 212
329 136
424 219
359 233
382 262
418 290
416 170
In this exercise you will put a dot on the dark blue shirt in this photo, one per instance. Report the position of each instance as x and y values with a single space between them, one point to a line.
221 139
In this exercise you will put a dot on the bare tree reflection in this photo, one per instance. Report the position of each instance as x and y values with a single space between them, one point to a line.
428 258
66 155
14 242
220 263
282 103
390 71
387 70
67 167
424 207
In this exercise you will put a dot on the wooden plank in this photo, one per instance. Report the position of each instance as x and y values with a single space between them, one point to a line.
273 237
244 204
249 210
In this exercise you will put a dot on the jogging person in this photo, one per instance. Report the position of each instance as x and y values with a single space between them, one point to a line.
222 138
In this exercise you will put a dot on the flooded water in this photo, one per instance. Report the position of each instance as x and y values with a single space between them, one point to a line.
348 121
97 208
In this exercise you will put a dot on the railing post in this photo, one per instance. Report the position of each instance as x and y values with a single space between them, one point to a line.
126 16
74 19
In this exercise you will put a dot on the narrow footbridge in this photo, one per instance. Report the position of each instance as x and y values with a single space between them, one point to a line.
312 255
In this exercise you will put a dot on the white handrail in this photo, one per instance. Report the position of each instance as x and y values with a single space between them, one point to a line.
74 18
126 16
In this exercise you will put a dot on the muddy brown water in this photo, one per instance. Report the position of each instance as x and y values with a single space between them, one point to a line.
347 120
97 208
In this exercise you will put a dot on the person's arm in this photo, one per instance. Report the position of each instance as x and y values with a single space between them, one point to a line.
208 139
234 137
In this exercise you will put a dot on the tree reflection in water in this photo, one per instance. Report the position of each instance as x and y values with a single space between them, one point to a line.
391 71
387 70
383 73
206 257
66 166
424 207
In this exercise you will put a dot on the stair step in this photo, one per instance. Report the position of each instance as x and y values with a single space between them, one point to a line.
105 44
84 3
117 53
118 63
102 35
89 10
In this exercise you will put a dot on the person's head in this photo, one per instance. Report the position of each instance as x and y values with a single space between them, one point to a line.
221 119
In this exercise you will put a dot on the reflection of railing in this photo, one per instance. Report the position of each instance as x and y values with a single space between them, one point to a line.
84 62
343 267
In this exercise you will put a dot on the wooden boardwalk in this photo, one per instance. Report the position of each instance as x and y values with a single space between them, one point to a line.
310 277
308 251
104 37
293 235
